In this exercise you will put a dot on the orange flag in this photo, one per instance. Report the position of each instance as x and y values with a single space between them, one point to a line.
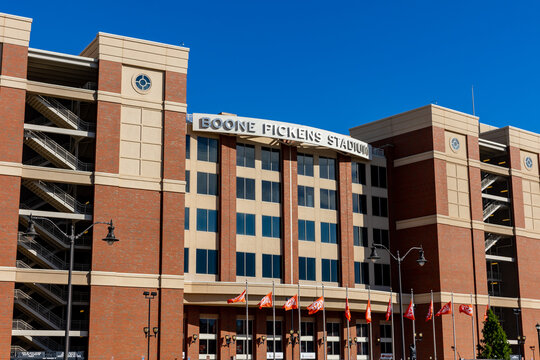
446 309
466 309
389 309
409 314
429 315
266 301
347 310
239 298
316 306
291 303
486 313
368 311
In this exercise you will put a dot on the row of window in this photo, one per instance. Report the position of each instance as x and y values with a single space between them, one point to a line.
207 150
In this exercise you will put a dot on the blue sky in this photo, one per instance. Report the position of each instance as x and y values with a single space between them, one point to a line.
332 65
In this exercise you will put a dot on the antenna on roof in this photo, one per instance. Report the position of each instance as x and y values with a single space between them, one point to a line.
472 93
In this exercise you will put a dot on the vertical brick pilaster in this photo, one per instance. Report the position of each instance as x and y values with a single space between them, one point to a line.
227 327
319 336
518 216
287 346
171 330
192 328
227 208
290 213
260 331
346 245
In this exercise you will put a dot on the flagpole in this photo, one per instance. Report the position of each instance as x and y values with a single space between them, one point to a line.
473 341
453 326
392 315
247 323
299 323
413 322
370 327
274 318
348 343
433 323
324 323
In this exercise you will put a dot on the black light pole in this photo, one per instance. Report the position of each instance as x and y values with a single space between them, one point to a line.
516 312
146 329
110 239
421 261
538 333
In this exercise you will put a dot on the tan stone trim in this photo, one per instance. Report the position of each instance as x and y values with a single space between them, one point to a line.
138 182
174 106
430 220
47 276
55 214
525 175
59 333
523 139
60 91
432 154
414 158
149 104
13 82
10 168
494 169
57 175
109 97
172 281
499 229
15 29
104 278
527 233
178 186
8 273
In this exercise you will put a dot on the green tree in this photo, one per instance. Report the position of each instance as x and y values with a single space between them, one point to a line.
494 344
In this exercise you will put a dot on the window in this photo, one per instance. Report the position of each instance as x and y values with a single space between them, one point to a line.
271 266
271 226
306 196
382 274
307 341
359 203
206 220
271 340
360 236
327 168
206 262
328 199
378 176
245 264
386 338
329 270
245 188
329 233
305 164
245 224
188 180
332 340
207 184
306 230
358 173
188 146
241 339
245 155
270 191
207 339
361 273
186 218
207 149
186 260
362 333
270 159
380 236
380 206
306 269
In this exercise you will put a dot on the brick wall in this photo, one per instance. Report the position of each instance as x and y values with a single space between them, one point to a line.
227 208
289 173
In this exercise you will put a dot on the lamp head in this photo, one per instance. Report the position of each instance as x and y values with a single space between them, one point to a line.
146 293
374 256
194 337
30 233
155 330
146 330
110 238
538 327
421 259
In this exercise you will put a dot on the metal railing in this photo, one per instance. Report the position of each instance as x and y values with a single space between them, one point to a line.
37 161
58 150
68 115
491 207
22 298
63 196
62 294
45 226
22 265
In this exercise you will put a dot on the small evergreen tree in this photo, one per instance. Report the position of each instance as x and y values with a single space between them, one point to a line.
494 344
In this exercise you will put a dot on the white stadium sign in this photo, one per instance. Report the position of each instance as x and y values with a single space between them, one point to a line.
231 124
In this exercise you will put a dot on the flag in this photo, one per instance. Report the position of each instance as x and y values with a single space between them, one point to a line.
486 313
316 306
429 315
266 301
466 309
368 311
239 298
291 303
347 310
409 314
389 309
446 309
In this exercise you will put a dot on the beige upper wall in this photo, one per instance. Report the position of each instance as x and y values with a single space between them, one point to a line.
429 115
519 138
136 52
15 29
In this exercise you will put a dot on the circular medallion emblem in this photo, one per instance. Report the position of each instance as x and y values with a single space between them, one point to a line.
528 162
454 144
141 83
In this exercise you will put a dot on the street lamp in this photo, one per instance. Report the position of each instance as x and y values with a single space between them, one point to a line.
31 234
421 261
150 295
538 332
520 339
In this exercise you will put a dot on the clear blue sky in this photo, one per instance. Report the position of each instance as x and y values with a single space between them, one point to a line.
328 64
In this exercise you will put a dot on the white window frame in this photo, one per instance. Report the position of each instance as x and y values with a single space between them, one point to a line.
209 337
309 338
363 339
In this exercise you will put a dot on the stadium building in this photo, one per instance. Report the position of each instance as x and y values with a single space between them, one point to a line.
203 204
